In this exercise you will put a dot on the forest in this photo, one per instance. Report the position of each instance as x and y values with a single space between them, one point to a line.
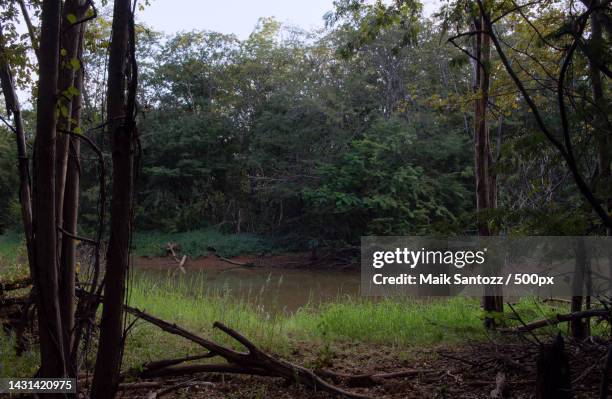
183 215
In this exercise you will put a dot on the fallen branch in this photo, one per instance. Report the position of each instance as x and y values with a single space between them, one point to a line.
170 249
233 262
84 381
21 300
134 386
160 364
18 284
561 300
560 318
180 385
368 380
253 360
175 371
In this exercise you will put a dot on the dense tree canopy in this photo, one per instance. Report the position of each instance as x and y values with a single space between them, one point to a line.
365 127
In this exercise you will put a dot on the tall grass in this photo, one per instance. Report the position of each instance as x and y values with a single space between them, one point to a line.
405 322
12 256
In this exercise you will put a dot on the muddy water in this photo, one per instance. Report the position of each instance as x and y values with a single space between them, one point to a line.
275 289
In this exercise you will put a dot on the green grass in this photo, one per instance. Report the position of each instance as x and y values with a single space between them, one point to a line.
404 323
195 243
401 323
13 365
12 256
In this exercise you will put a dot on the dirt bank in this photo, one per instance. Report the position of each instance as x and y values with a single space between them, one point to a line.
281 261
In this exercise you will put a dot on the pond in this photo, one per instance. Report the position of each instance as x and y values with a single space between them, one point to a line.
276 289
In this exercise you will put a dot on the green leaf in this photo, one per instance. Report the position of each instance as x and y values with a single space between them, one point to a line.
73 91
63 52
78 130
71 18
64 111
75 64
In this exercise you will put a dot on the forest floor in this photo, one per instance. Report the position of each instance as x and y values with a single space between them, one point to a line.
441 372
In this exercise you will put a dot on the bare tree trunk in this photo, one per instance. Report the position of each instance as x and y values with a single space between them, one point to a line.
486 182
578 327
69 65
71 208
121 129
53 362
602 129
12 105
553 377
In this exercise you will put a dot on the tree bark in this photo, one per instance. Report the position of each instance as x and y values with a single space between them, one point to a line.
486 182
121 129
53 362
70 212
70 34
602 129
579 326
12 105
553 379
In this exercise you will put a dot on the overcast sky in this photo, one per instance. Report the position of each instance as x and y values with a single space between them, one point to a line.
237 16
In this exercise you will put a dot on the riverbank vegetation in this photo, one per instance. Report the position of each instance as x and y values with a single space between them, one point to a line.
485 118
405 324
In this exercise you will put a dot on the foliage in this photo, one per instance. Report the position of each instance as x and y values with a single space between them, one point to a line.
287 135
378 187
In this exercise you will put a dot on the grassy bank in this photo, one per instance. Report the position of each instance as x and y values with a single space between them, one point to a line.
12 256
403 324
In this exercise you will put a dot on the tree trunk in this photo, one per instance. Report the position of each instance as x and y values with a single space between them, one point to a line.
486 184
553 379
70 212
602 131
121 129
53 362
70 34
578 327
12 105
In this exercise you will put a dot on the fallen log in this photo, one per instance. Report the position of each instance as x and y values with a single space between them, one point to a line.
17 284
180 385
368 380
233 262
84 381
252 360
134 386
175 371
21 300
160 364
560 318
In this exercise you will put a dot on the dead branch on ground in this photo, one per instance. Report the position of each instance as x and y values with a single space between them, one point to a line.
560 318
254 360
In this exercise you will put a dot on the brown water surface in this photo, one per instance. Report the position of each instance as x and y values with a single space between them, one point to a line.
278 284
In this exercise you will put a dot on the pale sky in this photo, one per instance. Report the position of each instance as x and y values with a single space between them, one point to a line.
237 16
